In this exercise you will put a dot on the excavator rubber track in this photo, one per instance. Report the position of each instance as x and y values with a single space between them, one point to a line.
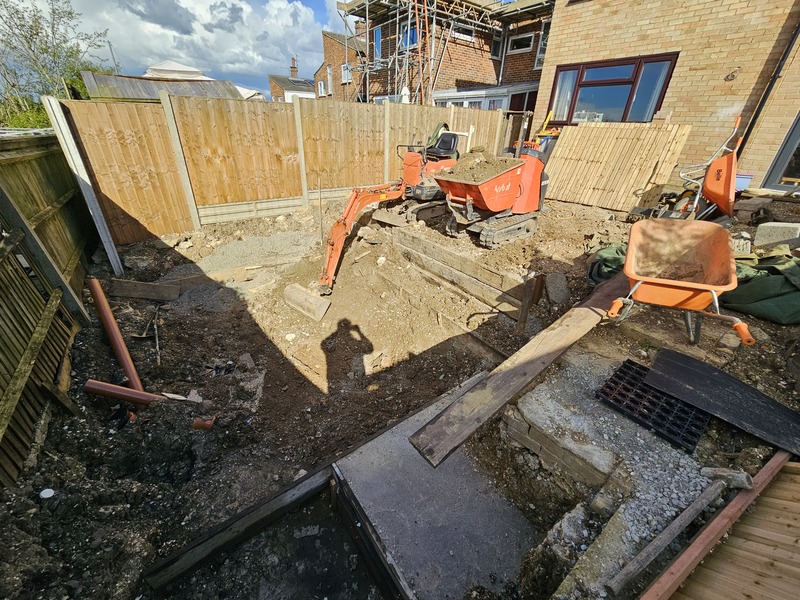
495 232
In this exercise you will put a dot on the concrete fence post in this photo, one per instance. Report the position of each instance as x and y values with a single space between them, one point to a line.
298 123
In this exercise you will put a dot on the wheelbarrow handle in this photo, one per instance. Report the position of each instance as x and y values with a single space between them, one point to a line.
744 333
616 306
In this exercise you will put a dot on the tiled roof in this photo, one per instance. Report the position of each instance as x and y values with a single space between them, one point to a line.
352 41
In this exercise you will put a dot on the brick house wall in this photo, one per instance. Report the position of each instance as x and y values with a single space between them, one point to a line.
714 39
334 55
275 90
464 64
776 118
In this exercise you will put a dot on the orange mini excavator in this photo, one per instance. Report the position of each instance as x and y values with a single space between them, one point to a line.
420 163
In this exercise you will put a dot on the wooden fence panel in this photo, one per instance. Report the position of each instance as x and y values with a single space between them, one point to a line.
614 165
343 143
35 175
411 124
127 148
484 121
33 354
238 150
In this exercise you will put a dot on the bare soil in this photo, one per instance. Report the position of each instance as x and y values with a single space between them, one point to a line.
288 394
478 166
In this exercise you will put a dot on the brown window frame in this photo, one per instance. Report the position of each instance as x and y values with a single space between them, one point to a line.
637 61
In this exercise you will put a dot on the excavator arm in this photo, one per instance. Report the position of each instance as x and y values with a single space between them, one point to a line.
360 198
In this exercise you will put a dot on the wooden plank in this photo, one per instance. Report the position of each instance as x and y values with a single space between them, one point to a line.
779 541
508 283
663 539
490 296
9 242
766 551
710 582
43 259
792 467
786 506
78 168
236 529
12 393
180 158
48 212
448 430
165 292
761 571
722 395
671 579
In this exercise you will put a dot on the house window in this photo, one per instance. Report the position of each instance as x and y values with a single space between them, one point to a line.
629 90
784 173
347 74
518 44
545 33
330 79
464 33
497 47
408 36
321 88
494 104
376 43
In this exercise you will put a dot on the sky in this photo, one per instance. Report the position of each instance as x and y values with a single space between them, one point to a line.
239 40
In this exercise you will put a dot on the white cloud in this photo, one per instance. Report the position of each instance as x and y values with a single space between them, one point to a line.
228 39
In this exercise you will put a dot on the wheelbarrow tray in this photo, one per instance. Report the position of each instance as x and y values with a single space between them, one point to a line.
496 193
679 263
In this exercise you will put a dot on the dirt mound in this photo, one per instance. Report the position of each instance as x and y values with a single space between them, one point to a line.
478 165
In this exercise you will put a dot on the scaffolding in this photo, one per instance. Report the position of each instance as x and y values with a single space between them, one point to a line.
422 31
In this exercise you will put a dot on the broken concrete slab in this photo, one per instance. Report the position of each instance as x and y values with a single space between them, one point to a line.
751 204
567 437
447 529
776 233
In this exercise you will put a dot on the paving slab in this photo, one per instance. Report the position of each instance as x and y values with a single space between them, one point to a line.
774 233
447 529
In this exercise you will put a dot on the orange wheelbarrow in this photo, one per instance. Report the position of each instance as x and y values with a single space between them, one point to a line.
683 265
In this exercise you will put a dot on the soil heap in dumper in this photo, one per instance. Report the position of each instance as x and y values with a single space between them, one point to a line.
496 198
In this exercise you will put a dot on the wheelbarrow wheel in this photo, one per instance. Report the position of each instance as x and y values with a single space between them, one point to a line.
684 202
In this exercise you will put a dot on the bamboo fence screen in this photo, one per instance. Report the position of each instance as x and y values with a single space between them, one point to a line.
614 165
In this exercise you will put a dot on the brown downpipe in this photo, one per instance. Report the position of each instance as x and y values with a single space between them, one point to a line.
118 392
671 579
114 334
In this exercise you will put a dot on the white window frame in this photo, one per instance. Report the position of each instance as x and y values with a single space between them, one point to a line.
530 34
321 89
541 47
463 35
499 55
347 74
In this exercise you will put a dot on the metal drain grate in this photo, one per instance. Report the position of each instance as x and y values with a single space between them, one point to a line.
668 417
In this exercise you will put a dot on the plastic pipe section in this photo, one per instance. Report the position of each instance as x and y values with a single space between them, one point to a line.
114 334
118 392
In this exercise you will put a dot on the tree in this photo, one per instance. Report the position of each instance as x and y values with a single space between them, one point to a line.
40 51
